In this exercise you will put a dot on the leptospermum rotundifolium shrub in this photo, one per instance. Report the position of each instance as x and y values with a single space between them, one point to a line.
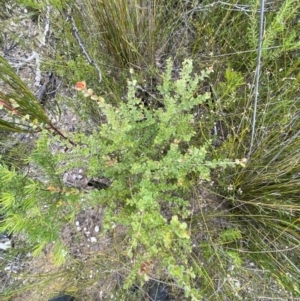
152 159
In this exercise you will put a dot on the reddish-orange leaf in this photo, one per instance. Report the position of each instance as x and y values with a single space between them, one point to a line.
80 86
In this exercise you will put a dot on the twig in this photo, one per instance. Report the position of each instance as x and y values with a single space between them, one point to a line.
257 72
38 76
24 61
79 41
47 26
34 56
56 130
245 8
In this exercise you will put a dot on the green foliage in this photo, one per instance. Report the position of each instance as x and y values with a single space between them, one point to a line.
265 192
153 157
230 235
13 151
280 35
131 40
149 157
32 4
24 113
227 89
74 69
38 209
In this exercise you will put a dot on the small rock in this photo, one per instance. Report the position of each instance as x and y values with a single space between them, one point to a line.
93 239
5 242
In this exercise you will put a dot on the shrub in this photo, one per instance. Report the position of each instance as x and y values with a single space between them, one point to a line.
150 157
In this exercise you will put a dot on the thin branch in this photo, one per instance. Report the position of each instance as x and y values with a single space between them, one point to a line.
79 41
25 61
56 130
47 27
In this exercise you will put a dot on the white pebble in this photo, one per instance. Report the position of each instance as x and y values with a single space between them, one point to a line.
93 239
